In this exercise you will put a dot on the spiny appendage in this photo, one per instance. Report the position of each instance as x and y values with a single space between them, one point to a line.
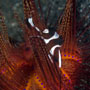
5 46
84 27
67 27
4 57
71 58
4 32
30 13
85 46
67 19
